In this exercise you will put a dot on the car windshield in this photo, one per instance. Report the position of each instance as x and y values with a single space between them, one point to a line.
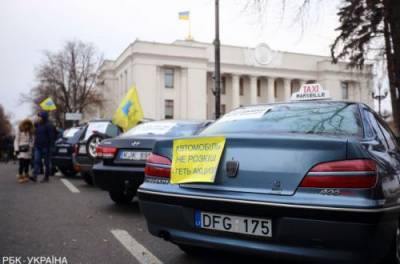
310 118
164 128
69 133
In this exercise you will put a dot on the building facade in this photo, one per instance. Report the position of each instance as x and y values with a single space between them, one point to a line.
176 80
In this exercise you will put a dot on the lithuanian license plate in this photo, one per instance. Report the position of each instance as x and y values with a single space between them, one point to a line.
62 150
134 155
235 224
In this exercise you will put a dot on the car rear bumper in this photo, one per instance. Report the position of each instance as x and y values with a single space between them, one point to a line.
63 162
83 163
315 235
113 178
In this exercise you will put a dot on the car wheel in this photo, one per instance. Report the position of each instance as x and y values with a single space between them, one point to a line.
396 257
191 250
92 144
393 257
87 177
68 173
121 197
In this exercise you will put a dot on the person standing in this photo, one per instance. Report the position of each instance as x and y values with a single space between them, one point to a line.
44 138
23 145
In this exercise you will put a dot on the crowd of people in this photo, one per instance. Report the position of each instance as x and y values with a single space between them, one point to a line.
33 144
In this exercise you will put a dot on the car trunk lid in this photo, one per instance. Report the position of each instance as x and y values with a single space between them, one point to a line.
272 164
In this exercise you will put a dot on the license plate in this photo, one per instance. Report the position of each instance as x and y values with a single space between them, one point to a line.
62 150
134 155
235 224
82 149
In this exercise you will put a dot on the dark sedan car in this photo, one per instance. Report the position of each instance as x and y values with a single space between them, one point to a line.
316 180
85 154
64 149
123 158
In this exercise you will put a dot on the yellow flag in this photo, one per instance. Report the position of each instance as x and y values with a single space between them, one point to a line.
196 159
48 104
129 112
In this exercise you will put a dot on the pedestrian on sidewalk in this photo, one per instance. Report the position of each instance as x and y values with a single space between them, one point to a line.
44 138
23 145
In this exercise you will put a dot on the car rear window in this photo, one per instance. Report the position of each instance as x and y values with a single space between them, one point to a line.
95 126
310 118
163 128
69 133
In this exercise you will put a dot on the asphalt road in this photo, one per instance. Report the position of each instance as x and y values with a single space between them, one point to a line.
83 225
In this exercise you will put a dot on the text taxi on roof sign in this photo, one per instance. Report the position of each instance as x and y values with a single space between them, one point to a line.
312 91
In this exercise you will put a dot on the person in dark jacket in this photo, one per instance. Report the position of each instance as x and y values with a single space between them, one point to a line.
44 138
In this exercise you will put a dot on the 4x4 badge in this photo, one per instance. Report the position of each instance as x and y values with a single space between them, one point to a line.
232 167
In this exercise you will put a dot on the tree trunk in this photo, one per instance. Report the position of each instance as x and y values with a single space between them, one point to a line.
392 43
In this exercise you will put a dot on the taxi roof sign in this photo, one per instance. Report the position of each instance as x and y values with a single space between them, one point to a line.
310 91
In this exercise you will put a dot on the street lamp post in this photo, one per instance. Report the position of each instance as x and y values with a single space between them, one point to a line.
217 70
379 97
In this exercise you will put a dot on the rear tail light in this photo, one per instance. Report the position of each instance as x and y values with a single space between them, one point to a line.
76 148
105 152
158 166
359 173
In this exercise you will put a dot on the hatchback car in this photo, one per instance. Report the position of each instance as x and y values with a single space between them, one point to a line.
64 149
315 180
123 158
85 153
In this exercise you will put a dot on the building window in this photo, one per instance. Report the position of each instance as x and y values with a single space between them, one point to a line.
169 109
258 87
169 78
223 109
241 86
345 90
223 83
294 87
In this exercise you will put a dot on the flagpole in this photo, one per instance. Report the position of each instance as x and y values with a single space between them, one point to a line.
190 29
217 65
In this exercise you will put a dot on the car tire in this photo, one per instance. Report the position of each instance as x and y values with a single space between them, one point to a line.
68 173
393 257
92 143
121 197
87 177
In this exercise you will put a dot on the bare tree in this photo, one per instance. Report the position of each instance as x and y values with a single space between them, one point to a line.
5 130
371 25
5 124
367 27
68 76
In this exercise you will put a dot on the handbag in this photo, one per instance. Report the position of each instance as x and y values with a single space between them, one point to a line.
23 148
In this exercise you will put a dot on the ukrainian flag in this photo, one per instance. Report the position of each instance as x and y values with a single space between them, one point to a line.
129 112
48 104
184 15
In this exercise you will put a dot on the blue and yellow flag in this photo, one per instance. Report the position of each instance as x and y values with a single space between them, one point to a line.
184 15
129 112
48 104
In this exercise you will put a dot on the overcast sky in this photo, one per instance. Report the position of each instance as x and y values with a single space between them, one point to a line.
28 27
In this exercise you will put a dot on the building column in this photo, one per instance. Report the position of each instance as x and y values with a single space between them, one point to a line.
253 90
271 90
287 90
235 91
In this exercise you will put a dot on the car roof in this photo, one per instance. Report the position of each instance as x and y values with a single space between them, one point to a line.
303 102
182 121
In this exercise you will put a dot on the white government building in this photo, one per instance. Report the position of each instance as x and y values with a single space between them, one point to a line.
176 80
